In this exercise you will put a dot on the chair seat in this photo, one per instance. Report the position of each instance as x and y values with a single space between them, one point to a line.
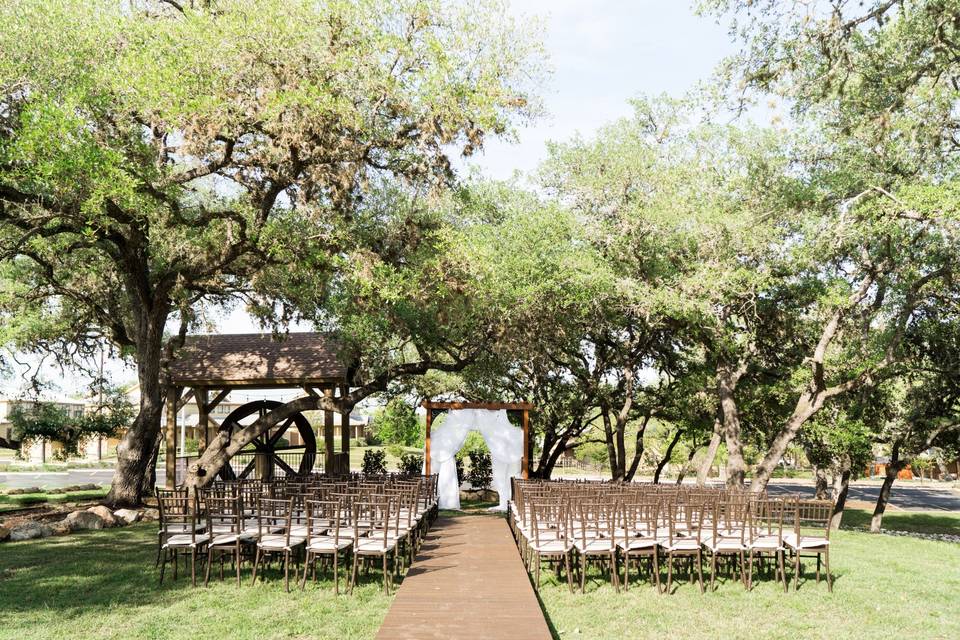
632 544
552 546
805 542
369 546
766 543
279 542
231 538
594 546
680 544
724 544
180 528
328 543
184 540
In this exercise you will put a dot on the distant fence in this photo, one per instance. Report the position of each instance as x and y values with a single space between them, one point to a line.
264 464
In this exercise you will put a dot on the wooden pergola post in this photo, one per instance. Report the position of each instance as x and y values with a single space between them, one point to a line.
426 443
328 441
525 464
170 463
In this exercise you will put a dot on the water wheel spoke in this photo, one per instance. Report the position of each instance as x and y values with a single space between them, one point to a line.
247 469
283 465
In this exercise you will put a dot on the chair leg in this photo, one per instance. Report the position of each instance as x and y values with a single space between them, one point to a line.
713 571
743 572
386 578
306 568
583 572
796 571
749 584
781 562
353 573
656 568
336 573
237 552
614 574
163 567
626 570
700 569
256 565
669 572
566 562
286 571
193 566
826 560
206 574
818 568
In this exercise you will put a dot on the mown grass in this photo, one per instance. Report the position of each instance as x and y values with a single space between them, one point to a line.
103 585
18 501
884 586
940 522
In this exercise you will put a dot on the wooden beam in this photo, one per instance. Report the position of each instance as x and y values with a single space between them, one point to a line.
453 406
218 399
184 399
525 464
170 465
426 444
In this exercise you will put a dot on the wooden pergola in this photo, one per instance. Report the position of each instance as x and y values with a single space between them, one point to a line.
208 367
523 408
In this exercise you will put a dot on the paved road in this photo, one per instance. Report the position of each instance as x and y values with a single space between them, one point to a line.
53 479
907 497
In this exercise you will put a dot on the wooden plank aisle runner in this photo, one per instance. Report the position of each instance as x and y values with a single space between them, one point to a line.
467 582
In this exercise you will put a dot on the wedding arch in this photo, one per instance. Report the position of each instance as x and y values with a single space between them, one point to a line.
509 446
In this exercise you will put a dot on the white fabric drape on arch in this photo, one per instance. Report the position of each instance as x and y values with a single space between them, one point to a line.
504 440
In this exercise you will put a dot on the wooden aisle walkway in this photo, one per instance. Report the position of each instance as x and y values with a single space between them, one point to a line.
467 582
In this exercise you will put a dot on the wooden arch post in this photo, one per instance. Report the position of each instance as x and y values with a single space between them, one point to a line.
523 407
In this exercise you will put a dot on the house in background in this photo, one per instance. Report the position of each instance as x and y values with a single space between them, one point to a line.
40 451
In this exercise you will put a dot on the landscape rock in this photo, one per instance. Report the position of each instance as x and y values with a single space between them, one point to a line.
30 530
105 514
61 528
126 516
4 533
79 520
150 515
20 492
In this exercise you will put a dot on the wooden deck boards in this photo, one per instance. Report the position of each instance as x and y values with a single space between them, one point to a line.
467 582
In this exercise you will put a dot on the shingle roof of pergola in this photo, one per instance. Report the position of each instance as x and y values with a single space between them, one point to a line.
257 360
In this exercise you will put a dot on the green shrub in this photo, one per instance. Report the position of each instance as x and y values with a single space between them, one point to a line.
481 470
460 475
374 462
397 423
411 464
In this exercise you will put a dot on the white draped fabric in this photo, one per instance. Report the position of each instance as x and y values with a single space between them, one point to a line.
506 451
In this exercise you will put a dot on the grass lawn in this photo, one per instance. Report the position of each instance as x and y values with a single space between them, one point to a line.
884 586
8 502
103 585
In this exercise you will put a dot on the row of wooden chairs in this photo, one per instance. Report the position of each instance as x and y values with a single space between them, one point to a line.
649 524
315 519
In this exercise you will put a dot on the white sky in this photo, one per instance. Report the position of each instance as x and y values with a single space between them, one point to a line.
601 54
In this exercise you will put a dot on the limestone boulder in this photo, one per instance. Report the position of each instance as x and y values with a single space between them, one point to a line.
150 515
126 516
30 531
4 533
105 514
83 520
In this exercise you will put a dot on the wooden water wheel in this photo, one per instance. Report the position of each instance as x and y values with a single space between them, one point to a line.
267 448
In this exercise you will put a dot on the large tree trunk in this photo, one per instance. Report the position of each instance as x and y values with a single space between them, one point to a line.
638 451
894 468
821 486
841 487
736 467
807 405
666 456
704 471
135 453
617 471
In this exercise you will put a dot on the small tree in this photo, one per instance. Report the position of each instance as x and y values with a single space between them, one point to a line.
481 470
374 462
38 420
411 464
397 423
